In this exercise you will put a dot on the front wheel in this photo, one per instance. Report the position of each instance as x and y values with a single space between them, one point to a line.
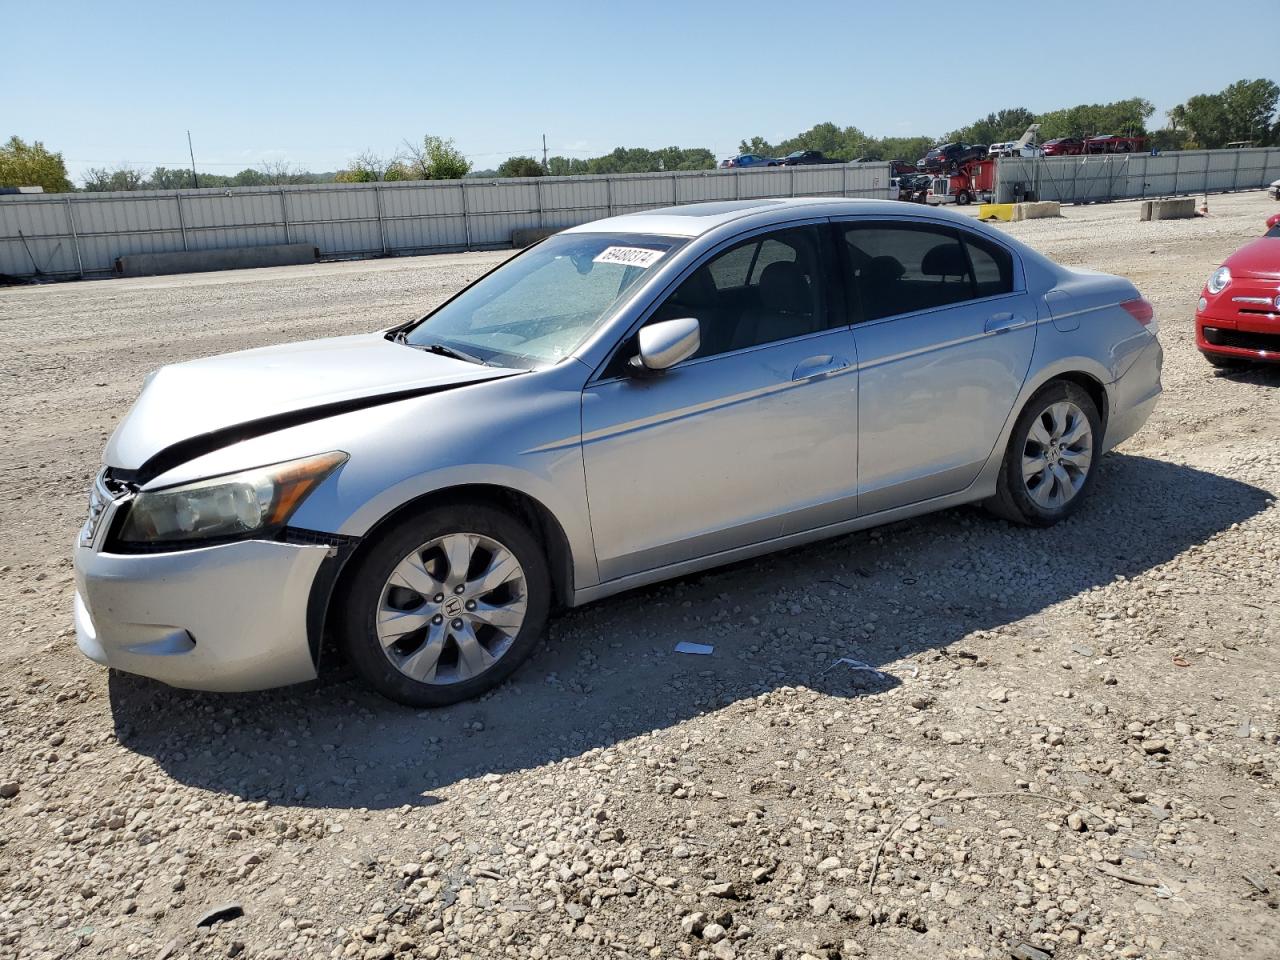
964 198
446 605
1051 458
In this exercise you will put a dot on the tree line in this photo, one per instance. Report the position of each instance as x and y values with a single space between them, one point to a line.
1243 111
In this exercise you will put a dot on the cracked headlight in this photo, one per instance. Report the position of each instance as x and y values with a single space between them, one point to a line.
237 504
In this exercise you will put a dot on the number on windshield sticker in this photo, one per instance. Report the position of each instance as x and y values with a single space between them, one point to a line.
628 256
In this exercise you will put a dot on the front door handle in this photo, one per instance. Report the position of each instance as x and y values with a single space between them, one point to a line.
1002 322
819 367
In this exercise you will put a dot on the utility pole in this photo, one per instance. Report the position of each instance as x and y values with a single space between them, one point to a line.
194 176
544 152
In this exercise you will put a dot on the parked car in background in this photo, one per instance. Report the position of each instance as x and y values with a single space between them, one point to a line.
799 158
950 155
1110 143
1275 189
1238 316
902 168
749 160
1063 147
629 400
1011 149
912 187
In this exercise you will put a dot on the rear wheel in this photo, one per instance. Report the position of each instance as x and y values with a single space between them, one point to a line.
446 605
1049 464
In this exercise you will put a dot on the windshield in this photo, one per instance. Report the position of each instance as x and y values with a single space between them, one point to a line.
536 309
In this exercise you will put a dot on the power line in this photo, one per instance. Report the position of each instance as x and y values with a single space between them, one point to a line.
185 162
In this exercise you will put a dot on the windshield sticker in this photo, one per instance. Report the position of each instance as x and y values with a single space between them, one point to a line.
628 256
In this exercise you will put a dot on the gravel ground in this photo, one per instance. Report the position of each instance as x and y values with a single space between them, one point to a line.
1068 748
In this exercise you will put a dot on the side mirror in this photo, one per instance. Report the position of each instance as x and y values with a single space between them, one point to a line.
663 345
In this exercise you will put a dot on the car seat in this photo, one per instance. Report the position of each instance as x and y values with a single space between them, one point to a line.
785 307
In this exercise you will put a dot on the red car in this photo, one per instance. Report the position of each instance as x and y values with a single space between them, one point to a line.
1110 143
1063 147
1238 317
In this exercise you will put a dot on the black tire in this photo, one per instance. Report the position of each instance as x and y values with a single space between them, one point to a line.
1223 362
964 198
1013 501
358 633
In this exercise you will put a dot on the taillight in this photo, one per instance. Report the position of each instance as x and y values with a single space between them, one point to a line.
1141 310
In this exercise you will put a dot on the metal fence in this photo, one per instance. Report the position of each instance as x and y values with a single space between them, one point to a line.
1127 176
61 235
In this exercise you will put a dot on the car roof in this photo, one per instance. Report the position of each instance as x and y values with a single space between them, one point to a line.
696 219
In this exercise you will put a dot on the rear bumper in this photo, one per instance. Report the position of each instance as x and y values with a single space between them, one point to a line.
1134 395
228 618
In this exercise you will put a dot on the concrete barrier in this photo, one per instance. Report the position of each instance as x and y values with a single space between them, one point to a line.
203 261
1037 210
527 236
1030 210
1179 208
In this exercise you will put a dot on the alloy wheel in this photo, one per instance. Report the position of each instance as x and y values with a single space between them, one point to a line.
452 608
1057 455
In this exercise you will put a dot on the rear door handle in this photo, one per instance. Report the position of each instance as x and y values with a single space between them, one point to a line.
1002 322
819 367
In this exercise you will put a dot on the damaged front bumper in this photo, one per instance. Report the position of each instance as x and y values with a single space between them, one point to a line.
228 617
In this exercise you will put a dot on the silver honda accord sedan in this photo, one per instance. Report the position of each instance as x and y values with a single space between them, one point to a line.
630 400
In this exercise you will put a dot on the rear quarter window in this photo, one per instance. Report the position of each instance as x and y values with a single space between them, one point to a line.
992 266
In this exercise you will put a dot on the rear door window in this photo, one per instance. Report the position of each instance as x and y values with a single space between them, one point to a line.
897 268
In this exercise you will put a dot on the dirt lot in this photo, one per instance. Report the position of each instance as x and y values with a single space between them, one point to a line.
1071 749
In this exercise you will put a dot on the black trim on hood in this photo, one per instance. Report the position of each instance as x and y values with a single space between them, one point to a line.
189 449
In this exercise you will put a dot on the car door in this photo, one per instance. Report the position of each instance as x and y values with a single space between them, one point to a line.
753 437
944 331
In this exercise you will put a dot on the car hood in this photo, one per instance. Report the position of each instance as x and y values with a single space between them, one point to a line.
1261 258
188 409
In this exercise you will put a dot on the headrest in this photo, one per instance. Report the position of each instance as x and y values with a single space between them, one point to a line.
945 260
698 289
882 270
784 288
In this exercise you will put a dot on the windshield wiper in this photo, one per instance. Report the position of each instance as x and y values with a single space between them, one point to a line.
441 350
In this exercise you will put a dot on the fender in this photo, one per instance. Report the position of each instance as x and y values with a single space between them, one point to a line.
567 514
409 448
